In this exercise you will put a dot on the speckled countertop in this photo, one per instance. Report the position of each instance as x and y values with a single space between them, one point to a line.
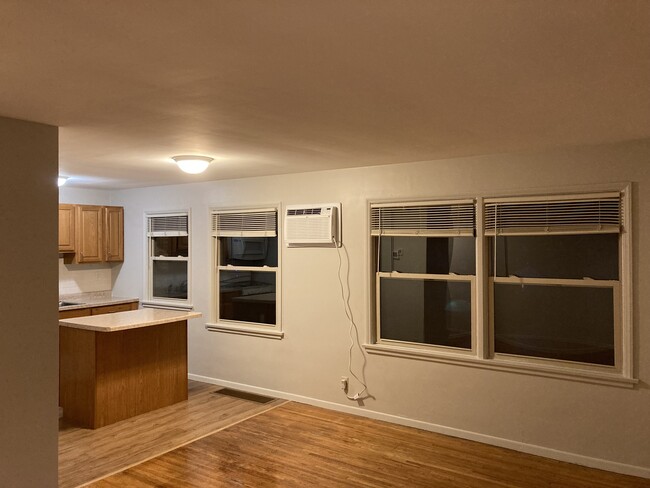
92 299
111 322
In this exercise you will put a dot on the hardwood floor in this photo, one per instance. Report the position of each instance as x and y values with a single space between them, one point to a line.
86 455
296 445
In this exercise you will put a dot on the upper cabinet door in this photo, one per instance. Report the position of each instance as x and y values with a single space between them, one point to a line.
114 233
90 236
66 227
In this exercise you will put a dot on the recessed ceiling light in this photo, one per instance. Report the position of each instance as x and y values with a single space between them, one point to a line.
192 164
62 180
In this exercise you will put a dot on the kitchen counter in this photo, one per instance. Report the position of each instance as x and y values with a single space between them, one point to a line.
144 317
88 300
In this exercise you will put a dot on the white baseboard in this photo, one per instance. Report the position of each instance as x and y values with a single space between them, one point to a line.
546 452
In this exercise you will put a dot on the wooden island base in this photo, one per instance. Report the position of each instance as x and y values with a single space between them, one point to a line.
106 377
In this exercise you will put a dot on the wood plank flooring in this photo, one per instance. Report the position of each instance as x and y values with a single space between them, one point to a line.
86 455
296 445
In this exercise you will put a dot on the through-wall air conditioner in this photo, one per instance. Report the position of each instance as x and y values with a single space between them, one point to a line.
312 225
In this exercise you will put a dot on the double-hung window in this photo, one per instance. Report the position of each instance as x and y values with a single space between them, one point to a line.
555 279
168 248
425 274
542 285
246 280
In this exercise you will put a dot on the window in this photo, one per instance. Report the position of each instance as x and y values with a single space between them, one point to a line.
543 286
425 274
554 281
245 245
168 259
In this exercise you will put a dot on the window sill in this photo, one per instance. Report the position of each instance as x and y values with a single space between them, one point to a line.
595 377
167 305
268 333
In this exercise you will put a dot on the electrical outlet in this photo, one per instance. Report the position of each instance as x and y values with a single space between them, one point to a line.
344 383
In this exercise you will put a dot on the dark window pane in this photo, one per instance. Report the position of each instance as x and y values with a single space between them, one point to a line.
430 255
170 246
170 279
555 322
249 251
248 296
557 256
428 312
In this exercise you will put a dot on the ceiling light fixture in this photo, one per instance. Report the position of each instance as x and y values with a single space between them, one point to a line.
62 180
192 164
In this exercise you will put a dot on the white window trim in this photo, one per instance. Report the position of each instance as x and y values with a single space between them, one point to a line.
268 331
483 357
153 302
595 377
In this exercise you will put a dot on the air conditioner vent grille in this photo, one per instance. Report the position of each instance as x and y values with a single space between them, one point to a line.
304 211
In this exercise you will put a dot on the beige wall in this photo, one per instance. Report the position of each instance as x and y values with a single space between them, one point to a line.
602 423
29 331
83 196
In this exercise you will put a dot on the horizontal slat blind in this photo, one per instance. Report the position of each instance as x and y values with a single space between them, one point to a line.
254 223
167 225
561 216
424 218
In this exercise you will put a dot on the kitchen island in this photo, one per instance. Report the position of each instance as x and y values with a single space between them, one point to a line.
119 365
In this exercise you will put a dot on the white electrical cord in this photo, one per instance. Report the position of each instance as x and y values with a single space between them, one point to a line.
348 314
496 216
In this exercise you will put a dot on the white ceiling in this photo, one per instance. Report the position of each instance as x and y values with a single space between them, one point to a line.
269 87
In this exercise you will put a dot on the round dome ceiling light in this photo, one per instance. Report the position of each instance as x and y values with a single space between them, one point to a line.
192 164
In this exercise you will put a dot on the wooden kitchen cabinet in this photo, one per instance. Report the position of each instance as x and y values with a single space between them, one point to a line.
90 234
94 233
66 228
77 312
114 234
122 307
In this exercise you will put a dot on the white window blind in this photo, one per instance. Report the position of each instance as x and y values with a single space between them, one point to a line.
445 219
167 225
256 223
561 215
